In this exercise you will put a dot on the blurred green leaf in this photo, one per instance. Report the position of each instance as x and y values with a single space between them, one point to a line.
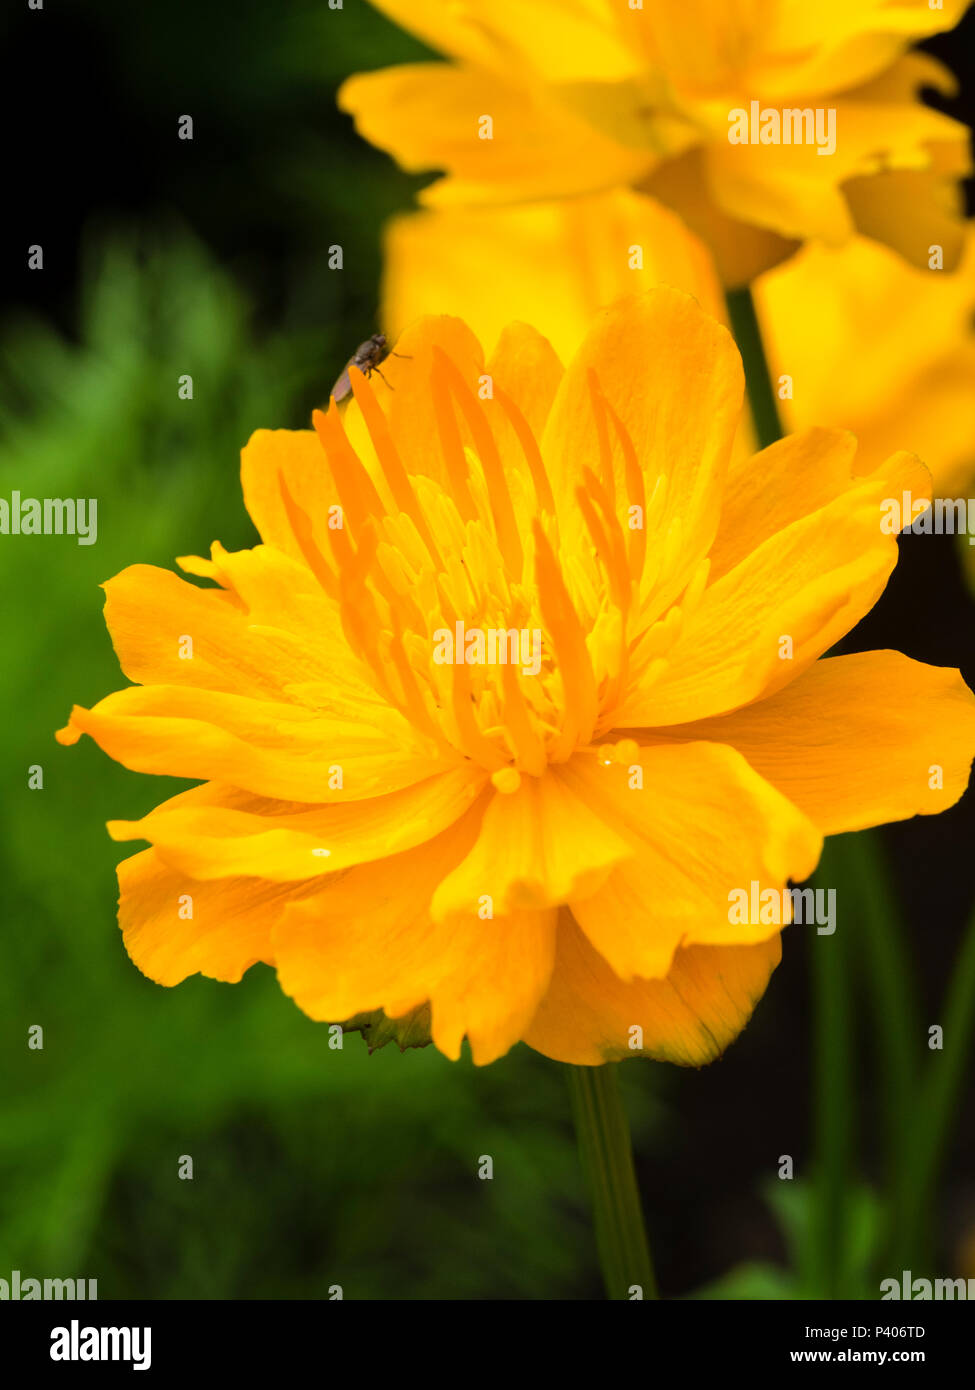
411 1030
794 1204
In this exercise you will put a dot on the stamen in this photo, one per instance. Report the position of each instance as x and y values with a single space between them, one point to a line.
304 535
609 544
357 492
389 460
528 748
529 447
506 528
358 614
416 707
637 548
694 592
618 568
602 434
451 443
361 632
569 641
597 534
472 741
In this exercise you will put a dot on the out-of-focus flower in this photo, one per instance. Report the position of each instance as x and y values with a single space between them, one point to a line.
711 107
542 843
562 262
875 346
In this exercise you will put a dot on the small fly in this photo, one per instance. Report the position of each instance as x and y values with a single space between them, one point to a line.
367 358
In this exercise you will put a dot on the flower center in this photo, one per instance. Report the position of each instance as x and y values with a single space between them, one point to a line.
451 593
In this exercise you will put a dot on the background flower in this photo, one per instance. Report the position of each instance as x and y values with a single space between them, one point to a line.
878 347
593 94
563 262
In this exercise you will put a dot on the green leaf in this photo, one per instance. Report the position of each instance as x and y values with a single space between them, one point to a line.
753 1282
411 1030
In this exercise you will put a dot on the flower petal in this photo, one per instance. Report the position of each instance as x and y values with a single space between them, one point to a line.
538 847
783 188
589 1016
836 321
556 39
525 373
174 927
912 210
859 740
218 832
657 356
429 116
700 824
770 490
366 940
563 262
910 198
276 750
810 583
166 631
740 249
297 457
406 398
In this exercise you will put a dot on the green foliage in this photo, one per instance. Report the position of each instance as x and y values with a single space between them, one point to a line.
795 1206
412 1030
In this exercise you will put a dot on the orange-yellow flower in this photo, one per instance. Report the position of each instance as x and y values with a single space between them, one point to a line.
880 348
562 262
856 338
542 850
585 95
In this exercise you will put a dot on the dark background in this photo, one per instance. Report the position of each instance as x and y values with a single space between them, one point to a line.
311 1167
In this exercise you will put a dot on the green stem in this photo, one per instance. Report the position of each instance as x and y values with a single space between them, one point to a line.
607 1162
887 973
940 1088
758 382
832 1092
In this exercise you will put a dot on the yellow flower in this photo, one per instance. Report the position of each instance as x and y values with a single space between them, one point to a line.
562 262
553 98
867 342
875 346
543 844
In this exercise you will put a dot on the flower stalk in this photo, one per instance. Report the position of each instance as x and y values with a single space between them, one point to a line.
605 1150
758 381
833 1105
